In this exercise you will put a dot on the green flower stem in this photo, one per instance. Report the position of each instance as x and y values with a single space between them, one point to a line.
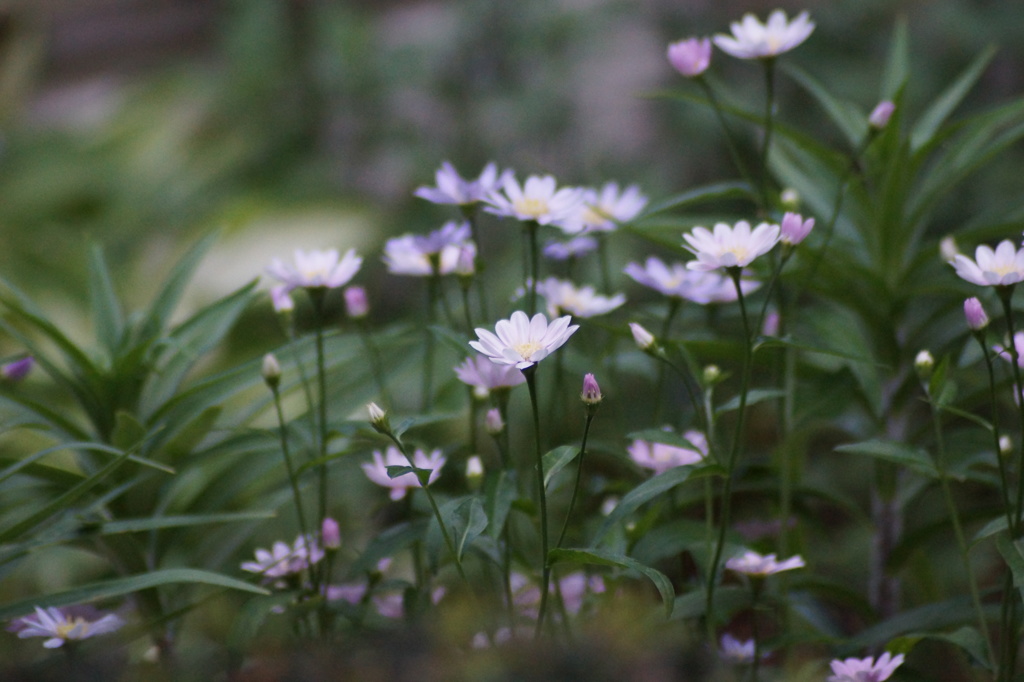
685 377
428 351
317 296
376 365
579 472
602 259
726 504
674 304
307 389
531 295
1006 296
769 125
756 586
954 516
531 383
730 139
469 211
292 478
1003 474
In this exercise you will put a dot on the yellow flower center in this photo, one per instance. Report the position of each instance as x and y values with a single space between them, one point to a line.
530 207
68 625
526 349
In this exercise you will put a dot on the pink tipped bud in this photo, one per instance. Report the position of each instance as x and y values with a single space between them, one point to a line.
591 394
493 421
794 228
881 114
356 305
644 339
330 534
690 57
975 314
19 369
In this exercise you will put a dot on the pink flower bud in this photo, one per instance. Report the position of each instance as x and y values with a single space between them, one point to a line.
356 305
18 369
591 394
975 314
330 534
690 57
465 265
644 339
794 228
880 115
493 421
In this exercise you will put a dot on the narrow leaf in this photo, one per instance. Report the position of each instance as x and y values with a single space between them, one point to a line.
590 556
914 459
555 460
950 98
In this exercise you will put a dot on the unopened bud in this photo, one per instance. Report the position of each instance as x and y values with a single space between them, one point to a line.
924 364
880 115
643 338
271 371
591 394
493 421
378 418
790 199
1005 445
711 374
465 265
281 299
18 369
474 472
356 305
609 505
975 314
794 228
330 534
948 249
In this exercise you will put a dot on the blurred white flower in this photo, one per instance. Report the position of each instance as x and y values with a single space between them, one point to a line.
728 247
602 211
479 372
865 669
316 269
61 625
522 341
702 287
538 200
284 559
751 39
452 188
660 457
1001 267
419 255
735 651
573 248
757 565
377 471
565 297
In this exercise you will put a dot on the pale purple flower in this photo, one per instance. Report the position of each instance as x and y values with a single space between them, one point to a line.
865 669
330 533
16 370
753 564
284 559
772 320
974 312
316 269
522 341
1018 343
392 604
452 188
419 255
794 228
604 210
377 471
591 393
485 376
60 625
728 247
676 280
734 651
751 39
880 115
538 200
660 457
565 297
690 57
357 306
493 421
1001 267
353 593
573 248
574 589
281 299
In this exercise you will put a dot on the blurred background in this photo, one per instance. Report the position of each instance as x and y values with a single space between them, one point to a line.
308 123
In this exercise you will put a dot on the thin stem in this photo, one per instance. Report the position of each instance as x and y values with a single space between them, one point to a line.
303 527
376 366
531 383
579 472
674 303
730 140
531 234
317 296
769 125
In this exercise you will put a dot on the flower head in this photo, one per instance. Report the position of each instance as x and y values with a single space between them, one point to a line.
377 471
693 285
493 421
573 589
565 297
316 269
794 228
330 533
538 200
421 255
1018 344
751 39
660 457
880 115
591 393
522 341
602 211
729 246
452 188
16 370
575 247
690 57
975 314
865 669
733 650
357 306
1001 267
61 625
284 559
485 376
754 564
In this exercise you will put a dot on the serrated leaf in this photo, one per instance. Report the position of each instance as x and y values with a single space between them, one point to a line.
591 556
555 460
912 458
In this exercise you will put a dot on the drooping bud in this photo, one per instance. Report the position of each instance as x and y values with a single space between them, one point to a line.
1005 445
975 314
356 305
880 115
493 421
271 371
281 299
924 365
330 534
591 394
643 338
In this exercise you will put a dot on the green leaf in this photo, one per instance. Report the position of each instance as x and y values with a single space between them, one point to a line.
847 117
499 492
754 396
931 617
158 522
945 103
117 587
912 458
1013 552
555 460
591 556
107 317
468 523
967 638
128 431
729 600
994 526
897 66
702 195
163 306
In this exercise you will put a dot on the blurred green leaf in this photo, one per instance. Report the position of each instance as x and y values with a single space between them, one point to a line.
555 460
912 458
591 556
950 99
108 319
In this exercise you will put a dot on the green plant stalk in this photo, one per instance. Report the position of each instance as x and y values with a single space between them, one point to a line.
1003 474
579 472
756 585
730 140
674 303
726 504
531 235
376 366
307 390
769 126
531 383
469 212
428 351
660 354
292 479
317 296
958 530
1005 296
